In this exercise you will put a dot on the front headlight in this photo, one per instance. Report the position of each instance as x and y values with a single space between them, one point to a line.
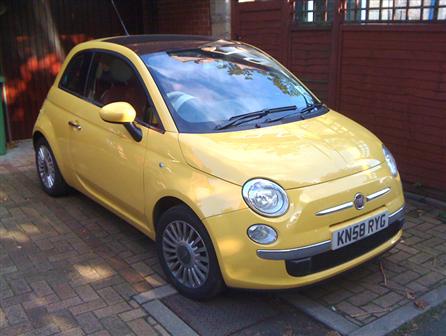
390 161
265 197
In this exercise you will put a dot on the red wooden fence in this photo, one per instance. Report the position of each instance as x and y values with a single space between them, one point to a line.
36 35
389 77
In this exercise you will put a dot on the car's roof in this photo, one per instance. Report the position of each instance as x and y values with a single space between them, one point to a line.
145 44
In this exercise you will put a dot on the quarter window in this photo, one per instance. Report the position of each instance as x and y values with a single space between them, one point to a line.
113 80
74 77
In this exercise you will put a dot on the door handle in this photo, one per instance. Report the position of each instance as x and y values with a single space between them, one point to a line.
75 125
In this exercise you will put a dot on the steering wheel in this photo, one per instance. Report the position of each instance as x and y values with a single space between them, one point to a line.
178 98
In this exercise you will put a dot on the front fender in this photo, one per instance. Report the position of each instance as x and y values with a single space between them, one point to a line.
168 175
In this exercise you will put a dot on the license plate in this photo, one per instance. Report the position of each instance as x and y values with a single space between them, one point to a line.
358 231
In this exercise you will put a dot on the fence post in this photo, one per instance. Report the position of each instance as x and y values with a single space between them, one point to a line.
287 19
2 119
335 54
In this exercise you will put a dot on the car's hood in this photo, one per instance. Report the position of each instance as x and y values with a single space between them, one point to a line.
294 155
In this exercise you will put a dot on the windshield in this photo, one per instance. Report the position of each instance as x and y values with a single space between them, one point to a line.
208 86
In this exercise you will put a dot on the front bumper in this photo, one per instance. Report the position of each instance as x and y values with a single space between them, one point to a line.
302 254
328 258
395 224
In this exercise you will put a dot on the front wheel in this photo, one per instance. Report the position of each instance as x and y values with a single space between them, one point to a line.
187 255
50 177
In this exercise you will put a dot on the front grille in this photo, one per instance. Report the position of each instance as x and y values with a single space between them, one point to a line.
329 259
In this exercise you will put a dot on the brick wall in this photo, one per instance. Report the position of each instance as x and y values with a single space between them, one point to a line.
184 17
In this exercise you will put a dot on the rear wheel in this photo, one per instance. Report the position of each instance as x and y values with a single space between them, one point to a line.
187 255
50 177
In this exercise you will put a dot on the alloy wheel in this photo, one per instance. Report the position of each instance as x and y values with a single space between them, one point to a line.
45 166
186 254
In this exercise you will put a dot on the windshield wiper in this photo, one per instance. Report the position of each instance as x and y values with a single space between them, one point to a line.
242 118
301 113
310 108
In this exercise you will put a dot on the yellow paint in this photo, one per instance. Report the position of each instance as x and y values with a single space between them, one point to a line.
321 162
119 112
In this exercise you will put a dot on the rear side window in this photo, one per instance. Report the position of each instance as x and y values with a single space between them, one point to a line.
75 75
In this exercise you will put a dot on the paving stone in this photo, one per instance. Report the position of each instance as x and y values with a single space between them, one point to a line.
86 293
38 316
101 333
132 314
49 329
337 296
406 277
109 295
155 293
430 279
142 328
72 332
19 286
155 280
87 306
41 288
89 323
112 310
64 291
362 298
3 320
64 304
420 258
15 314
115 326
142 268
350 309
374 309
141 287
64 320
388 299
125 290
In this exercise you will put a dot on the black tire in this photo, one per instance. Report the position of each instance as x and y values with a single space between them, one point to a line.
213 284
59 187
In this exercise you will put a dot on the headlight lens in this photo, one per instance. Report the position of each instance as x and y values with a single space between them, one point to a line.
262 234
390 161
265 197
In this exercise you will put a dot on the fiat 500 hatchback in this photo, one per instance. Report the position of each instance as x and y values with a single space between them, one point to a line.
223 157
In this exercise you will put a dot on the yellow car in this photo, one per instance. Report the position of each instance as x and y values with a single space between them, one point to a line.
220 154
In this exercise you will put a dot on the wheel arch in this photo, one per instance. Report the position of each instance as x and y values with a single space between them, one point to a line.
46 132
165 203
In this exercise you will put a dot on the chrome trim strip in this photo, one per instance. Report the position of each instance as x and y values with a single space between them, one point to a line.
348 205
394 216
377 194
311 250
297 253
335 209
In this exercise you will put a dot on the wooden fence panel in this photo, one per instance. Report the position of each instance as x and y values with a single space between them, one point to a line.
36 36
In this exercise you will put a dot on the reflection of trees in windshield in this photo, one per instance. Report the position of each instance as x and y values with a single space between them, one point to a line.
235 69
243 66
283 83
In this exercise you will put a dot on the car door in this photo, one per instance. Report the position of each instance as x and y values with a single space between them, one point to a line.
108 162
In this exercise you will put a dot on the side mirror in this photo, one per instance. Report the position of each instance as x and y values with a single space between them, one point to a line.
118 113
122 113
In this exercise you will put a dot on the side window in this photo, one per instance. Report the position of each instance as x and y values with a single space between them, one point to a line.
112 80
74 77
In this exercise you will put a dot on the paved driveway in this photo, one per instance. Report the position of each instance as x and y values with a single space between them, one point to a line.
69 266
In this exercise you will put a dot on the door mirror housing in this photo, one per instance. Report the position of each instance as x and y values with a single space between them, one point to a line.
118 113
122 113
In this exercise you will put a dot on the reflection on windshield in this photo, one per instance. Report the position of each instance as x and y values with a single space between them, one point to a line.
209 85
